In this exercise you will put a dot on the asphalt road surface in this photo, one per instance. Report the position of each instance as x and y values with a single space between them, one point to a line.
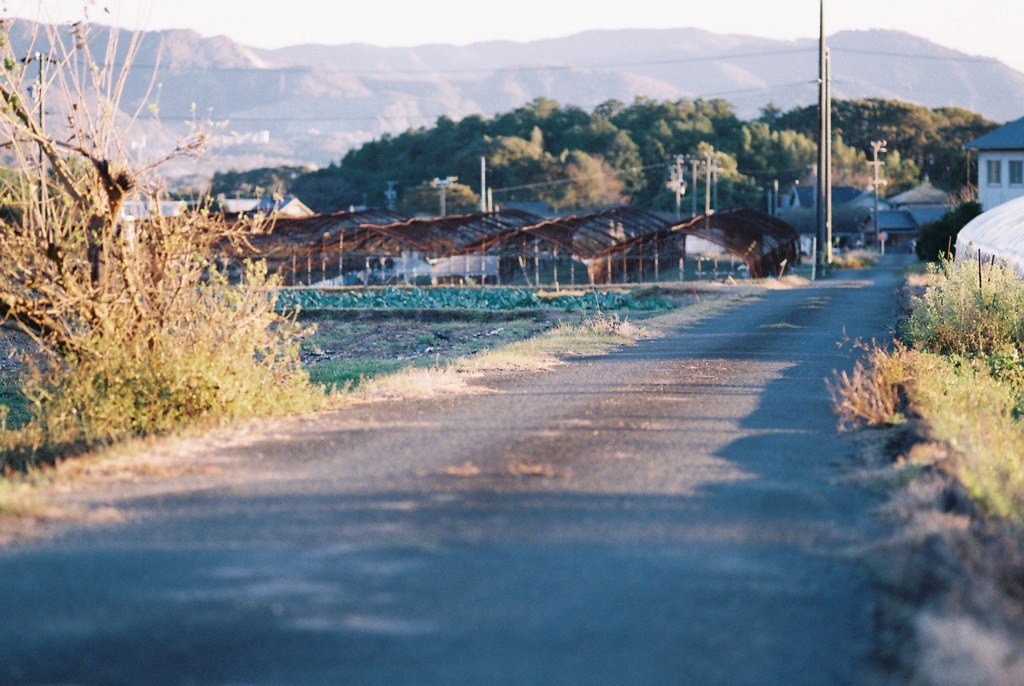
672 513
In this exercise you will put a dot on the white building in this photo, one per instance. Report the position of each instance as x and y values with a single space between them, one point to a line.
1000 164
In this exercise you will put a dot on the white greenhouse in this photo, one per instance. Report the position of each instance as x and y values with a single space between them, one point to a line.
998 233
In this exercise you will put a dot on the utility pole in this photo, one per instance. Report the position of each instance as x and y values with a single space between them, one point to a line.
823 136
694 162
828 156
714 187
878 182
483 183
677 184
442 185
708 156
391 195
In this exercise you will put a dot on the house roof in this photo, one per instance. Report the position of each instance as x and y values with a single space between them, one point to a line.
1007 137
896 220
805 195
925 194
926 214
841 195
282 207
846 219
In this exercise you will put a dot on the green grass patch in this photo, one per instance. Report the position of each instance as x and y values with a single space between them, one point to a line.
340 375
14 407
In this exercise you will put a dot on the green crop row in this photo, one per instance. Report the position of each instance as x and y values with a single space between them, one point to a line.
457 298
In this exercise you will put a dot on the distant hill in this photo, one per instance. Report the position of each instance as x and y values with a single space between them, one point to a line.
310 103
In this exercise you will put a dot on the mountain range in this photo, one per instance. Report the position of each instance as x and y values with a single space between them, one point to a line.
308 104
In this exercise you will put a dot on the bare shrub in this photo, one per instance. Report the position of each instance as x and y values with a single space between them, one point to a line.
138 330
613 326
870 395
854 259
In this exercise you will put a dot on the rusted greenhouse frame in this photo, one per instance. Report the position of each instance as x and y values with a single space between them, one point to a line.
301 249
764 243
316 249
612 246
555 247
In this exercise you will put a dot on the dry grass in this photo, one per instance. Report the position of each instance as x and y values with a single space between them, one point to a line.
593 336
465 470
138 329
870 395
536 470
960 651
854 259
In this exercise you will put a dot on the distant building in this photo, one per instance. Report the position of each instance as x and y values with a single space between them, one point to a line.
902 216
851 213
898 227
1000 164
804 197
145 208
279 207
925 203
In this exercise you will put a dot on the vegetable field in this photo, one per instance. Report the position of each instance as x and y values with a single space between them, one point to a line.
462 298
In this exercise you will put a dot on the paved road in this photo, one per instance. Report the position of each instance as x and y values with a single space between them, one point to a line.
690 530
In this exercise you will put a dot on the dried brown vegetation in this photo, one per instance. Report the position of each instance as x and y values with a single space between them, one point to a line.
138 331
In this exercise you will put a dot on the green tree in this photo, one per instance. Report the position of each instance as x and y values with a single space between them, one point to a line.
592 183
938 240
425 199
256 182
901 174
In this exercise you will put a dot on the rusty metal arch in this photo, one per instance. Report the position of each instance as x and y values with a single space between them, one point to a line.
583 236
765 243
441 236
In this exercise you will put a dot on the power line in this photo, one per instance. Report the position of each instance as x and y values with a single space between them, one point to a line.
561 182
694 59
915 56
472 70
331 118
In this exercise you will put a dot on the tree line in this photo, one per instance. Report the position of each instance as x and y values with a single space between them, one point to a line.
572 159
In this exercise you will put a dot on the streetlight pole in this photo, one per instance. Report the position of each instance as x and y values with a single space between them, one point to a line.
877 182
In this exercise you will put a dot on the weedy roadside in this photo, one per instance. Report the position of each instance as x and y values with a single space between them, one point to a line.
946 402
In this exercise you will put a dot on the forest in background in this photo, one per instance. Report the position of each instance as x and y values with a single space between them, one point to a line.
572 159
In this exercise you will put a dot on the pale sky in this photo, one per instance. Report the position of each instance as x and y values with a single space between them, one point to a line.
990 28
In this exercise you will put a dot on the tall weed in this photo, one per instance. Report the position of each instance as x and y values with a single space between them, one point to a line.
960 316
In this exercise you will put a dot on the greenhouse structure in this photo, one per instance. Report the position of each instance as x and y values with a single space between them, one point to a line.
995 235
616 245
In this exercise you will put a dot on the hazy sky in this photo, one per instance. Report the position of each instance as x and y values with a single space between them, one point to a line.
991 28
